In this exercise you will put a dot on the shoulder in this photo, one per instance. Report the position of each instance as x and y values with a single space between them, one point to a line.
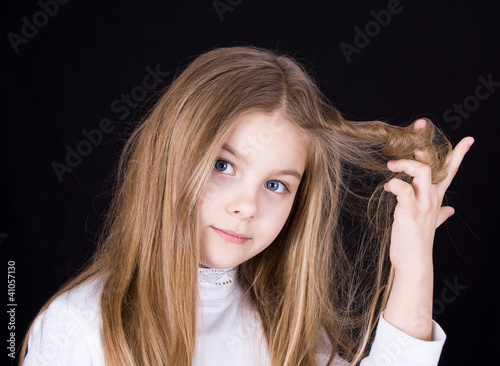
69 330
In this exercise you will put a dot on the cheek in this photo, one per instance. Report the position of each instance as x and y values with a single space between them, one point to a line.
208 197
275 220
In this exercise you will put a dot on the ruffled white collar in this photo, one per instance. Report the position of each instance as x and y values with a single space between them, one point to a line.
217 285
216 277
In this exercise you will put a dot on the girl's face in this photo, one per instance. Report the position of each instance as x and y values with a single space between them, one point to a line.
251 190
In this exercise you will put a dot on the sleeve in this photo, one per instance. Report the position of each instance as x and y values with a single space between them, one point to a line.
66 334
392 347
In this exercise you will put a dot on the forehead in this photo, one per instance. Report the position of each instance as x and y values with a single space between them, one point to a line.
264 128
259 134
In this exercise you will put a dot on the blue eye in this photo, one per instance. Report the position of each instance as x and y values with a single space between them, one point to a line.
275 186
224 167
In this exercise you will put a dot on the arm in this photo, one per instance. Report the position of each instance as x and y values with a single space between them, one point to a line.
418 213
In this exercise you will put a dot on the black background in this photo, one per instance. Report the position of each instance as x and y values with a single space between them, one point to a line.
64 79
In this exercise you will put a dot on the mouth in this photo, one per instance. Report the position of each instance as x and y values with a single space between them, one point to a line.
231 236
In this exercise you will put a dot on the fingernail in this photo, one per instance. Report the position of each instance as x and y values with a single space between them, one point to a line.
421 123
470 142
391 162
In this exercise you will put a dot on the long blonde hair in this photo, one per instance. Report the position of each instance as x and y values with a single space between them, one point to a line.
323 276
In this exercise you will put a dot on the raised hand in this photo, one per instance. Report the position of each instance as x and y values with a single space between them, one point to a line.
418 211
417 215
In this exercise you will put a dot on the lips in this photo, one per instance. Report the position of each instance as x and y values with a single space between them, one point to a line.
231 236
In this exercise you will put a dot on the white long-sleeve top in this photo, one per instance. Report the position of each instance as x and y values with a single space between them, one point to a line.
69 332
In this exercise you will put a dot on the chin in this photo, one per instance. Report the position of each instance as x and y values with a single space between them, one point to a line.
225 263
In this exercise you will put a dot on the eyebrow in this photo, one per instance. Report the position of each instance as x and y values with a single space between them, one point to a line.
237 155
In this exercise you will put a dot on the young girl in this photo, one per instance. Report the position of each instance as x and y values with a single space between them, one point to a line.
254 225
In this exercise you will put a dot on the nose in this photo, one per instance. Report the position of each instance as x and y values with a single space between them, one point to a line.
243 205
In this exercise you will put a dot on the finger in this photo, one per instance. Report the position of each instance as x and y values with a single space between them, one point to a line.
421 173
403 191
453 164
418 154
445 212
419 124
